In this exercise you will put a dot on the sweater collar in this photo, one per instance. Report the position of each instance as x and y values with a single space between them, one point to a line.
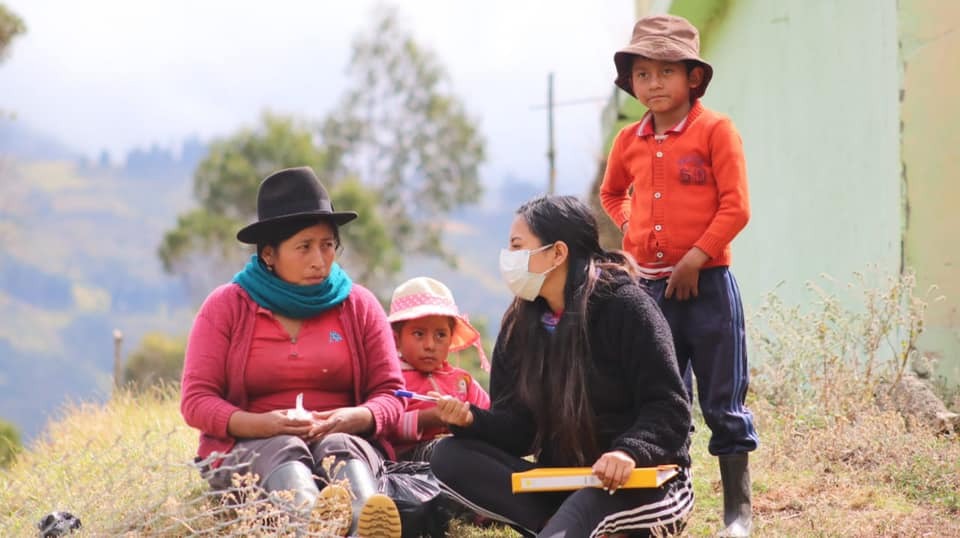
443 369
645 128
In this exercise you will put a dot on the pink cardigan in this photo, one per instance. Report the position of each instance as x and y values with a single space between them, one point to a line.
448 380
213 388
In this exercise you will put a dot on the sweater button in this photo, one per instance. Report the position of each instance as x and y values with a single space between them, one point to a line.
658 227
659 154
659 255
657 195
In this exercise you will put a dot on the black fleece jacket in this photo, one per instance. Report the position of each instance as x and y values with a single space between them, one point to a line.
636 391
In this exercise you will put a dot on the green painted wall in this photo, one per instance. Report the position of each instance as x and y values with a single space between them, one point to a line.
813 88
930 53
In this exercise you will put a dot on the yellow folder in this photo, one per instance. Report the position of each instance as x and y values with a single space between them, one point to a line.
569 478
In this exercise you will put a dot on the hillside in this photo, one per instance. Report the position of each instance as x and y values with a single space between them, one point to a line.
78 259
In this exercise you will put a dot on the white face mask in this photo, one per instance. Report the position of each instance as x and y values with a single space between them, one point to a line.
515 270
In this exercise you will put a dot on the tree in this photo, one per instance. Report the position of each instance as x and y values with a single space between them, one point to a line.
401 129
159 359
10 443
610 236
202 246
400 150
10 27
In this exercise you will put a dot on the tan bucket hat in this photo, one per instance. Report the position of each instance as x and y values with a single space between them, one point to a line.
666 38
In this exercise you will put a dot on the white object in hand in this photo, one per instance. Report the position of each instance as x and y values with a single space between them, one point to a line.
299 413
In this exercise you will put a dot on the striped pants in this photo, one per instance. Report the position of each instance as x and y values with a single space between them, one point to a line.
478 475
710 337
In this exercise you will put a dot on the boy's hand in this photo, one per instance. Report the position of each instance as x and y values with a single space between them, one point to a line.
453 411
683 282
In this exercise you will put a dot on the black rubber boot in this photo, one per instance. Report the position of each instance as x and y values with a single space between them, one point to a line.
374 515
737 513
296 477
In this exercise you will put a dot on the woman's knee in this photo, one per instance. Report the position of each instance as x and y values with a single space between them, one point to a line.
344 446
448 456
335 443
267 454
286 448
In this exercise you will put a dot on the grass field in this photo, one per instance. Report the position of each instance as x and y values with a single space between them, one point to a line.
123 467
833 460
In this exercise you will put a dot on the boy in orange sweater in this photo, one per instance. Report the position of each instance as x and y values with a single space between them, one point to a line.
686 168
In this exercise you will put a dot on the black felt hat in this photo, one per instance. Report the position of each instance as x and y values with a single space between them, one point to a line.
291 194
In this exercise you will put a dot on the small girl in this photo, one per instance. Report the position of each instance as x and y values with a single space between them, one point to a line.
427 326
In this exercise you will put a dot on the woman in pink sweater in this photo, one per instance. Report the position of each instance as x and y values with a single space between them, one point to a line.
292 327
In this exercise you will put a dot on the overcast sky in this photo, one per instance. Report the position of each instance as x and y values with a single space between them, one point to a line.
114 74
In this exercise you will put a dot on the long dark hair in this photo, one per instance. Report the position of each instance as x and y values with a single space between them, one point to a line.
553 369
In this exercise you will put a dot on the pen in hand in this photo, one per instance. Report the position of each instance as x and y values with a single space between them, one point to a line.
414 396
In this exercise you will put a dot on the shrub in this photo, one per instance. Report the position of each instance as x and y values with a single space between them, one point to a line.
10 443
158 360
830 359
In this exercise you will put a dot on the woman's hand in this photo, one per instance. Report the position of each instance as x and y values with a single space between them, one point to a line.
261 425
429 418
452 411
353 420
613 469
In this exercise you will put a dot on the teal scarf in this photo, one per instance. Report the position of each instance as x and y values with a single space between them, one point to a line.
292 300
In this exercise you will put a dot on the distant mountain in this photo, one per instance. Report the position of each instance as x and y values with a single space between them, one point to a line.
23 142
78 259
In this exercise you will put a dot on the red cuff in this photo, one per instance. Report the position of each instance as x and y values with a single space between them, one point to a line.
409 428
711 244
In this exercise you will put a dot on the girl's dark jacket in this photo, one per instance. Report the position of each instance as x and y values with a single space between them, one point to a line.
635 390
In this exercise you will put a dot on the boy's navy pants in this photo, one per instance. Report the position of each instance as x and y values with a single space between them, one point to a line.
708 332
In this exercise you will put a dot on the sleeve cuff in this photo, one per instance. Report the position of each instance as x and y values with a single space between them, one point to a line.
711 244
630 450
222 420
377 413
409 429
479 417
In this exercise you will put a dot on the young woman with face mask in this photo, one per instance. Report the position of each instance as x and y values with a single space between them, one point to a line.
584 374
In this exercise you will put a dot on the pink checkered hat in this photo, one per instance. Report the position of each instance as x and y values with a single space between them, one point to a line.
423 296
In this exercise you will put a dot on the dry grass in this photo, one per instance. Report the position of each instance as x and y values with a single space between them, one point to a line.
111 465
871 477
124 468
831 463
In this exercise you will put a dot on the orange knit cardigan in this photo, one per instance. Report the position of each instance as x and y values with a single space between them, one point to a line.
689 190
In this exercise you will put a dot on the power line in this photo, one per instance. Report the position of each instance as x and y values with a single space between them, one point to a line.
551 148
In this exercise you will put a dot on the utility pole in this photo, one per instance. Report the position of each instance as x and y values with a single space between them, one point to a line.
117 359
551 152
551 147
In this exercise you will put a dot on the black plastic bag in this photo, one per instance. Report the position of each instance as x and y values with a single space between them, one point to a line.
419 499
58 524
